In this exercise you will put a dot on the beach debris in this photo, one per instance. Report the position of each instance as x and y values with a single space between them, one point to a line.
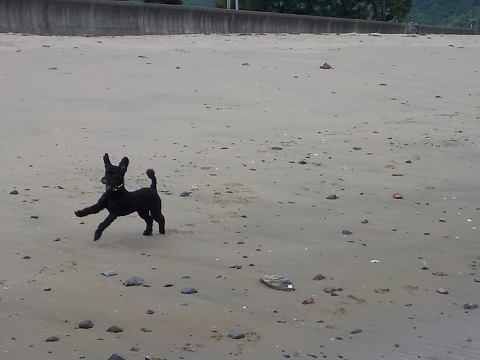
34 217
189 290
308 301
356 298
115 357
145 330
374 261
397 174
356 331
185 193
206 167
346 232
470 306
442 291
150 312
277 282
133 281
357 148
439 273
332 197
319 277
115 329
326 66
109 273
277 148
52 339
397 196
331 289
238 267
236 335
85 324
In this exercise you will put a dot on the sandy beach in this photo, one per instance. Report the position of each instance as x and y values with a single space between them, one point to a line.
260 136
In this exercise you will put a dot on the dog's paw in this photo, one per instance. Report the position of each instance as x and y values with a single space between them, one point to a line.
79 213
97 236
162 231
147 233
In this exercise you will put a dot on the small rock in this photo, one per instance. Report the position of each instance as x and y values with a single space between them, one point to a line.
145 330
150 312
168 285
109 273
115 329
135 349
26 257
302 162
319 277
189 290
34 217
325 66
277 282
52 339
357 148
14 192
356 331
442 220
397 196
331 289
236 335
470 306
115 357
86 324
346 232
332 197
308 301
364 221
185 193
397 174
276 148
133 281
441 290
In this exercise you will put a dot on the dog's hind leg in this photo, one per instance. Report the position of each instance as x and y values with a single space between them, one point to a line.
145 215
103 225
160 219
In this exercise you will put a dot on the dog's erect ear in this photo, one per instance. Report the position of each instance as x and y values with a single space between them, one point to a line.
124 164
106 160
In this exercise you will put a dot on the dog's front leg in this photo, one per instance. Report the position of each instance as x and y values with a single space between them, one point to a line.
103 225
89 210
95 208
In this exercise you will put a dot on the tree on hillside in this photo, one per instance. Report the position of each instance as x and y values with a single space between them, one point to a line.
384 10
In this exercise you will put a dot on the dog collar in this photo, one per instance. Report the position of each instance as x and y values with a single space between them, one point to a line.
119 186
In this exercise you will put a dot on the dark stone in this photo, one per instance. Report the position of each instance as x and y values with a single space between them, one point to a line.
115 329
470 306
115 357
236 335
346 232
332 197
52 339
189 290
133 281
85 324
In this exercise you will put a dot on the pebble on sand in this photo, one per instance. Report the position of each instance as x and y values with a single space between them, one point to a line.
52 339
115 357
189 290
441 290
85 324
115 329
277 282
236 335
133 281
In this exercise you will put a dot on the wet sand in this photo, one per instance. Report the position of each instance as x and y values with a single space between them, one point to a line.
260 136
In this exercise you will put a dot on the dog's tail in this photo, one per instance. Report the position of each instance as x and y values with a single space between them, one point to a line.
151 176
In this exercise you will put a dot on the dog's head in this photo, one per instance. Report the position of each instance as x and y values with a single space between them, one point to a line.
113 178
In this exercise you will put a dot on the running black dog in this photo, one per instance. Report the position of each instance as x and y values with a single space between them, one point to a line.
120 202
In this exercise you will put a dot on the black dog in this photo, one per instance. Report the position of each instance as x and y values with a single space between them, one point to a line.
120 202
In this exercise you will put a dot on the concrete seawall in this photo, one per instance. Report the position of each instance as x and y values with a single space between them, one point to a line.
105 17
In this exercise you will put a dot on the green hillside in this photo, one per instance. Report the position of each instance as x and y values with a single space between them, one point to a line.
444 12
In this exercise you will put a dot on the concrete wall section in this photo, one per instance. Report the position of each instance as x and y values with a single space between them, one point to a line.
106 17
